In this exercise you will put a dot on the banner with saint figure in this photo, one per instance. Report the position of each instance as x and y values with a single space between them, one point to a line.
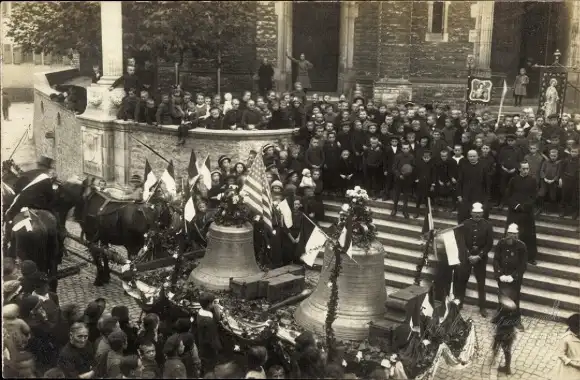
552 92
479 90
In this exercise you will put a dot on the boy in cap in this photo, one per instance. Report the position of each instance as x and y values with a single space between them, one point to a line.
374 173
269 154
569 183
403 168
128 106
425 177
508 160
224 163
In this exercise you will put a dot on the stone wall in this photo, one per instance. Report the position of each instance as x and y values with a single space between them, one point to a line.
365 44
266 31
236 145
444 60
66 145
394 48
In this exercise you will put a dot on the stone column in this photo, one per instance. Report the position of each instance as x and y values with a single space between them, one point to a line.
111 41
485 31
102 103
348 15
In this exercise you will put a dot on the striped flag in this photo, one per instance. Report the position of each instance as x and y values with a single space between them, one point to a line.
345 239
257 188
428 224
189 210
150 180
192 171
205 171
168 177
316 243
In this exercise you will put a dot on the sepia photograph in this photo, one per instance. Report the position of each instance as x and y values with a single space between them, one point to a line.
321 189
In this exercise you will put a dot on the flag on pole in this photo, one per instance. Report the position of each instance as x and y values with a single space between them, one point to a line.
426 307
286 212
503 94
150 180
314 246
257 189
428 224
345 239
168 177
189 210
192 171
451 246
205 171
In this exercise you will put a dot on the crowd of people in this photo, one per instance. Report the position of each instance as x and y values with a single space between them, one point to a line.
43 338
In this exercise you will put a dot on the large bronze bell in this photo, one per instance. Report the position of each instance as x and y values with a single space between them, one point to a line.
229 253
361 294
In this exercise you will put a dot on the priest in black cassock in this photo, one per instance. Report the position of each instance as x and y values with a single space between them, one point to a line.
521 196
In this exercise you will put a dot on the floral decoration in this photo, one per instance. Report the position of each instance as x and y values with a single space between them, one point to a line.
364 231
232 211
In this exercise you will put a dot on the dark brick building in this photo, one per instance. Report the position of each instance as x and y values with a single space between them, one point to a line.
396 49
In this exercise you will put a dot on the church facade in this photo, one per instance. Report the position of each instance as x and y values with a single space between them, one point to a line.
408 49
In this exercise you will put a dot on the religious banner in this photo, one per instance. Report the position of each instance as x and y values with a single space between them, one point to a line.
93 152
479 90
552 92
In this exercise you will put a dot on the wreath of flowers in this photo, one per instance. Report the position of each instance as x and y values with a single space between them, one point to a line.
232 211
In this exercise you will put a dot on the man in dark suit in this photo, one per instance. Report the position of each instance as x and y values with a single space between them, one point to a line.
471 186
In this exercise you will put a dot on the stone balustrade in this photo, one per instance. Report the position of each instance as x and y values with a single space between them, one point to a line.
113 150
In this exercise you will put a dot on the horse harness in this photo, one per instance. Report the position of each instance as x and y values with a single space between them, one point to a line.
102 209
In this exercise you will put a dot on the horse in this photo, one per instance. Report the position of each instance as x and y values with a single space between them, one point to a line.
107 221
31 230
35 235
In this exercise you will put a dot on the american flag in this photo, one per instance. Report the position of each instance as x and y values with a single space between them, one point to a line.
257 189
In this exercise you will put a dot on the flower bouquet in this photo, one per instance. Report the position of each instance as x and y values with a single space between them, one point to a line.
363 229
232 211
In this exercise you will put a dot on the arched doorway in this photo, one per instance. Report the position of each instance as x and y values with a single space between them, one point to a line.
316 33
524 34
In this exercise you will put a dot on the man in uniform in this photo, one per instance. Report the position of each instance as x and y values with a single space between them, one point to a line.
478 239
510 260
520 196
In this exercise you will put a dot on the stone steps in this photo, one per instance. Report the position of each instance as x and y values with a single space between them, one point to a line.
550 289
409 227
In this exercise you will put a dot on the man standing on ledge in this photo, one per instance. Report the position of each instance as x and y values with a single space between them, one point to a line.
478 238
521 196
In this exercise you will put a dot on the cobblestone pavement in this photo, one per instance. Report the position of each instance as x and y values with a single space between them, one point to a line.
12 131
534 349
534 353
79 289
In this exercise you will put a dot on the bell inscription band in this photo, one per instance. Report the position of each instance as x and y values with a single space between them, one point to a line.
361 294
229 254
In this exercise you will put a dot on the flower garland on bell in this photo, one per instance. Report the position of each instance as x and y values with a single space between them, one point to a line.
363 234
232 211
332 304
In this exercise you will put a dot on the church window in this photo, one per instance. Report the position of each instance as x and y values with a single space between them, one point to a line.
438 12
